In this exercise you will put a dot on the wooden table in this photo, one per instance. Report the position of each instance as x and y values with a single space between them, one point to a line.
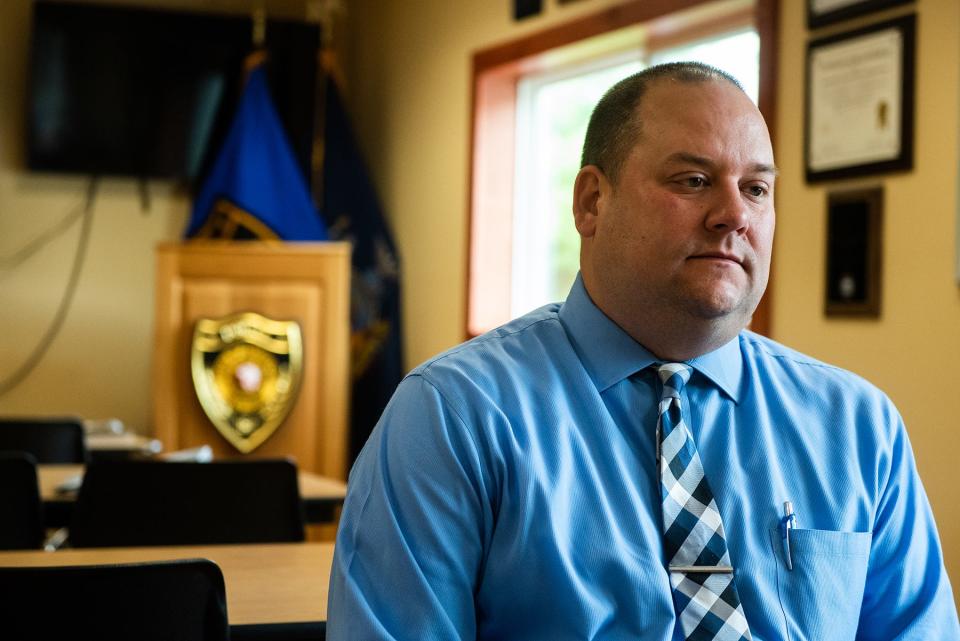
321 495
277 584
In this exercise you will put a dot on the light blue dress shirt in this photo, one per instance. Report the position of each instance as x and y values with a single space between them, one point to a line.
510 492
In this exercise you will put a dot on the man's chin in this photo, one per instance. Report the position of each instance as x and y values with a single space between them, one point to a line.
720 305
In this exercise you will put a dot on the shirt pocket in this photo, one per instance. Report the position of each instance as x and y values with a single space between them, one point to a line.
820 597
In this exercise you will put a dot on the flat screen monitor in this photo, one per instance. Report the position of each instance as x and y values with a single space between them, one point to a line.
145 93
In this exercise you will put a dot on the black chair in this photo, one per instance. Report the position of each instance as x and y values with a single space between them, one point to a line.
183 600
21 510
124 503
49 440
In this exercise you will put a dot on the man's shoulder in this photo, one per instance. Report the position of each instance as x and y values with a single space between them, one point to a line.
529 357
774 359
520 344
759 346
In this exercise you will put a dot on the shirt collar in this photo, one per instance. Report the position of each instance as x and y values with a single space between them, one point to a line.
610 355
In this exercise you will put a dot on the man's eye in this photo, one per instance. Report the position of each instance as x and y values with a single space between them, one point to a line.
694 182
757 191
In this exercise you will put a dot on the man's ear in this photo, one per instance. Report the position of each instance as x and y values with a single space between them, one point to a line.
590 185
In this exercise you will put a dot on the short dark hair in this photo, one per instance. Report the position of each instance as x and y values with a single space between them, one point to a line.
615 122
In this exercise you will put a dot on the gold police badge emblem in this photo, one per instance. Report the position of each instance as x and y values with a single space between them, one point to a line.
246 372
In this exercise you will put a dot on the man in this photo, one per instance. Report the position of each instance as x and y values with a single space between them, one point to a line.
633 464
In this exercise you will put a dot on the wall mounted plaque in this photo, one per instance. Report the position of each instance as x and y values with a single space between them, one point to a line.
854 252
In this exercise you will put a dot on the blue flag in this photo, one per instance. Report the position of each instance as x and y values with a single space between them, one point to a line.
255 189
353 213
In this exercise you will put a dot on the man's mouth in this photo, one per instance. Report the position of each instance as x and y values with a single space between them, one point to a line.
718 256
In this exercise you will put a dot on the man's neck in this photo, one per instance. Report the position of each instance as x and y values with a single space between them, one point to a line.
677 343
670 332
674 335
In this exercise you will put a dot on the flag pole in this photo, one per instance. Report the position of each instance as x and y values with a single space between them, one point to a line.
329 69
259 34
259 37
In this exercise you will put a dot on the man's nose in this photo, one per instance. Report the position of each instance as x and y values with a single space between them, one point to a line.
729 211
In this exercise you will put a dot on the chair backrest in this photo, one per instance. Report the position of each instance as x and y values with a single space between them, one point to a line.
123 503
49 440
21 510
183 600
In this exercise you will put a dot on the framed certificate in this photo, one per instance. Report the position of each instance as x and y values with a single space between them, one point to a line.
823 12
859 111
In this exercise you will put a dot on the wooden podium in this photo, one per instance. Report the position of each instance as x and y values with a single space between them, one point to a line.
305 282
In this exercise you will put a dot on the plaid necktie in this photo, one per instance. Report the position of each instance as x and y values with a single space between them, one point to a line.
704 594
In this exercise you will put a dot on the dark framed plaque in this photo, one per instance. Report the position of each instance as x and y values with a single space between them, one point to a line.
824 12
854 252
526 8
859 109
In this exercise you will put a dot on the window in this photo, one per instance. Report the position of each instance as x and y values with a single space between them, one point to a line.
531 113
552 113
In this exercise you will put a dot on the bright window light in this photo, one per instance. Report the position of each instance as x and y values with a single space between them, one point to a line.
737 53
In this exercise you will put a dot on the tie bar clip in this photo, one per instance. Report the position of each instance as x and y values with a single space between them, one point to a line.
701 569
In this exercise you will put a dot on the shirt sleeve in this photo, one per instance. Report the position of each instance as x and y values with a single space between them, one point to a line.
908 594
412 531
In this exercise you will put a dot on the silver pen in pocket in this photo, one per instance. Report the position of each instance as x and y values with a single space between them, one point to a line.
788 523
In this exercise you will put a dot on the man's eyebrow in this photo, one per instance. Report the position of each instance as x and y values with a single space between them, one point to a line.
706 163
692 159
763 168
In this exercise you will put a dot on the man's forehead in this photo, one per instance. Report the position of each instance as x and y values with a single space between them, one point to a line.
692 117
756 166
677 89
690 103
